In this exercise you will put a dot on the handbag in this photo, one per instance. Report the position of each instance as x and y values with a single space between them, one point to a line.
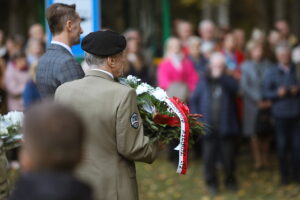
264 123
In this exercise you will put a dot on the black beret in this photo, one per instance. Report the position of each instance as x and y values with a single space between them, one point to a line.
103 43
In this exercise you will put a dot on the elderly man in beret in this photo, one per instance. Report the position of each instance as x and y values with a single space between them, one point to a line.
114 126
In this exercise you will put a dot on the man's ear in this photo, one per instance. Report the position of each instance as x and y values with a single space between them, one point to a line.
68 25
111 61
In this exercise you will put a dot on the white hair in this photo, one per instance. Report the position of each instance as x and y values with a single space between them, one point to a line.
207 47
258 34
217 56
205 23
94 61
282 48
193 40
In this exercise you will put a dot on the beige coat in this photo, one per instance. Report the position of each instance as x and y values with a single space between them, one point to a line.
115 134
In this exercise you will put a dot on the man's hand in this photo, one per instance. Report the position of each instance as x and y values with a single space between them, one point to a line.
264 104
294 90
234 74
281 91
161 145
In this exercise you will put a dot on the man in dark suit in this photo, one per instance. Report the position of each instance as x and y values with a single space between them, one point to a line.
282 87
57 65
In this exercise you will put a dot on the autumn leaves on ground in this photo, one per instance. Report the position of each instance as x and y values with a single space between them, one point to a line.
159 181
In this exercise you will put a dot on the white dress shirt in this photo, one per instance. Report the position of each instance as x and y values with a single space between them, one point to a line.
106 72
63 45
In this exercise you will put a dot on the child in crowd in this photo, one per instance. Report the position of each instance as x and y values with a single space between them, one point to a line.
53 145
31 94
16 76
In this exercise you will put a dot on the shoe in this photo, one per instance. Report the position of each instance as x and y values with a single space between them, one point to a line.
284 182
213 190
296 182
296 179
258 169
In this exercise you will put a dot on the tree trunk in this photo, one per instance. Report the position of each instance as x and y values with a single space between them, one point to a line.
206 9
134 8
223 14
264 16
280 8
113 14
14 26
295 16
147 26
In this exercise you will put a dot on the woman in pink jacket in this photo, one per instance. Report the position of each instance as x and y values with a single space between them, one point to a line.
176 69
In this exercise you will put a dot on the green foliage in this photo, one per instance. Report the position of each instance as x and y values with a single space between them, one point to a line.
10 127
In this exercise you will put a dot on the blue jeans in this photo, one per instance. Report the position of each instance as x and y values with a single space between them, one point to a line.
288 139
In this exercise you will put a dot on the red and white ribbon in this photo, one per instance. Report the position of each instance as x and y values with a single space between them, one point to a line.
184 135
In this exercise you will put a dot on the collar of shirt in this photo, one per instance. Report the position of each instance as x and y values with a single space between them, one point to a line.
106 72
63 45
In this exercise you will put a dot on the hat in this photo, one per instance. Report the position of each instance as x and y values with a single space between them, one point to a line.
103 43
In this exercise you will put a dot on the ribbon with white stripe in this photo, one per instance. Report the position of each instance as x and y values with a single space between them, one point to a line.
184 135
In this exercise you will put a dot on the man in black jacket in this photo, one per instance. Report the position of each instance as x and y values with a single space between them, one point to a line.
214 97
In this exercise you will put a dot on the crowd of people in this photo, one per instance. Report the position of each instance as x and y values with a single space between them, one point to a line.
243 88
18 61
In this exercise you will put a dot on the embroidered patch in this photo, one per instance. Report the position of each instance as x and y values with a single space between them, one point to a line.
134 120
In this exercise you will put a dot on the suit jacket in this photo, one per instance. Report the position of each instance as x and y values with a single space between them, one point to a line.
115 135
287 106
56 67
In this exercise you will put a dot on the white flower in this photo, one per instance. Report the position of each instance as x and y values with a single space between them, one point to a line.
14 118
149 108
143 88
160 94
133 79
3 130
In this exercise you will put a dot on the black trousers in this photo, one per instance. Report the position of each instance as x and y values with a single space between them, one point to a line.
219 150
288 141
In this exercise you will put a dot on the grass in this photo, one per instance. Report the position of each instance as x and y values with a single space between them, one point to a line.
159 181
